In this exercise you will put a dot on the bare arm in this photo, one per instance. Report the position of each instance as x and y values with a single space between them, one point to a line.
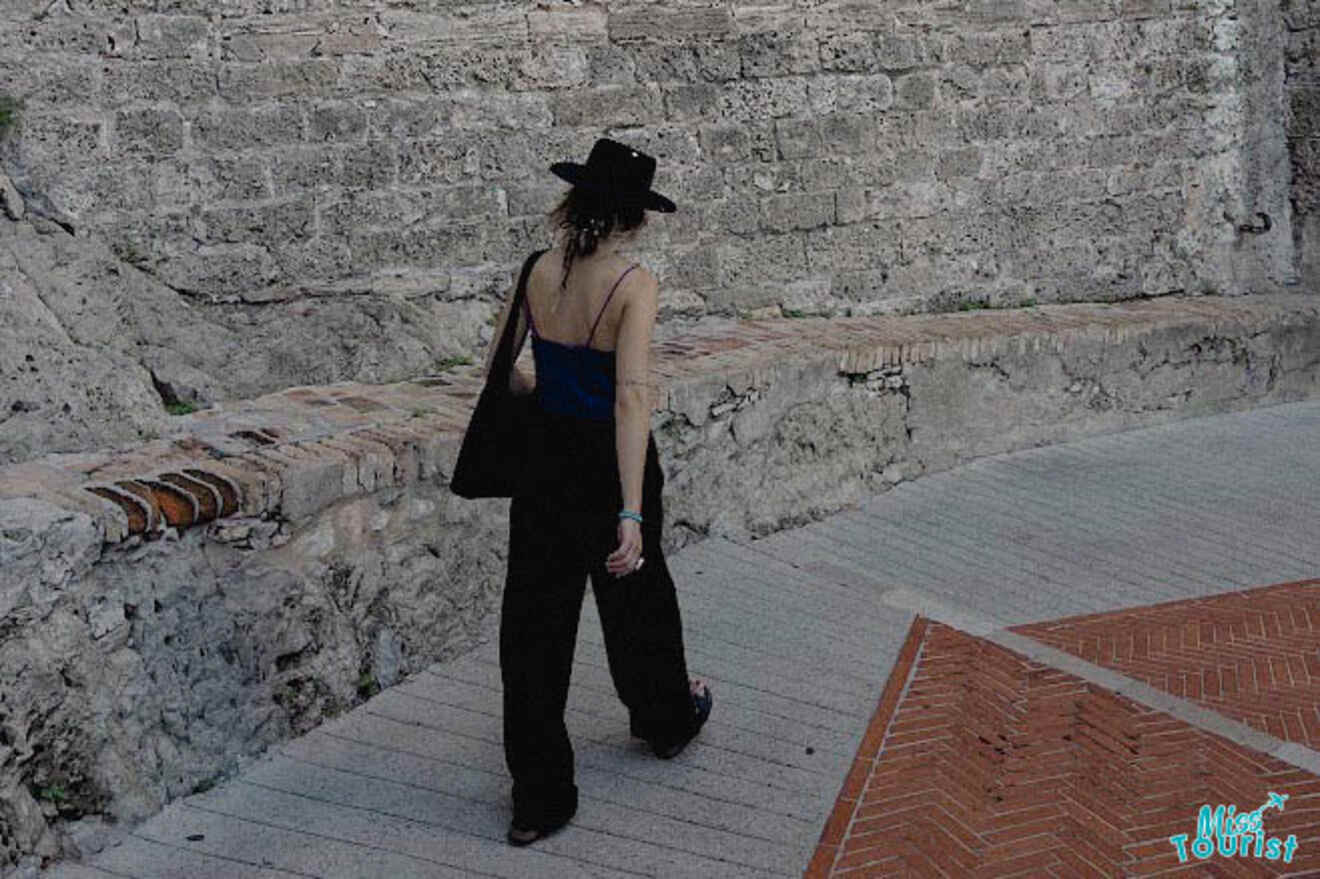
633 402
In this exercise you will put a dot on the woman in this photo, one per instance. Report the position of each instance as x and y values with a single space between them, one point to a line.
590 503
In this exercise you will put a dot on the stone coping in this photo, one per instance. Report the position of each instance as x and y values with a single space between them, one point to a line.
295 452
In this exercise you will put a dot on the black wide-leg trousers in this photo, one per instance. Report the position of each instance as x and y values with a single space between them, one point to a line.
560 531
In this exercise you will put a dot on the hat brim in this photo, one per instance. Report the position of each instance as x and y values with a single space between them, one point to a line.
576 174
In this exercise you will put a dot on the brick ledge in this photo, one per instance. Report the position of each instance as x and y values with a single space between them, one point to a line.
298 450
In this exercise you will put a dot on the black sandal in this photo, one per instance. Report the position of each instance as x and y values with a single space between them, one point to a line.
521 836
701 705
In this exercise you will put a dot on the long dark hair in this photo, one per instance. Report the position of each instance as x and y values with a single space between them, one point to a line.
589 217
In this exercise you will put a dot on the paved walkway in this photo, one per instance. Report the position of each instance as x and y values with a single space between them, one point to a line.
809 642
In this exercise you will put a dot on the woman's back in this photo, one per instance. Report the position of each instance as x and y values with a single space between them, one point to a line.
591 335
566 315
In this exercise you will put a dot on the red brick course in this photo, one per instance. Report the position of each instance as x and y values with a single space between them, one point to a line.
980 762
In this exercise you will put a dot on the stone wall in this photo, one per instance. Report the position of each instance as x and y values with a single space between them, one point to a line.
340 171
1301 20
169 610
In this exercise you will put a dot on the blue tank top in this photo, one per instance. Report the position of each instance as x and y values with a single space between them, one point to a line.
575 379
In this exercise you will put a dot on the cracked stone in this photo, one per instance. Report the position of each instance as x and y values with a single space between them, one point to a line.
11 199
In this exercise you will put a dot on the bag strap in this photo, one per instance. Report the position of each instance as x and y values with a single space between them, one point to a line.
504 356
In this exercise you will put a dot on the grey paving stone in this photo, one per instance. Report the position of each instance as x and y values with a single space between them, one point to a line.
1176 529
1050 564
1155 504
75 870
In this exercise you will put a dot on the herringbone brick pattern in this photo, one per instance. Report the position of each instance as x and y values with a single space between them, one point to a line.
1252 655
988 764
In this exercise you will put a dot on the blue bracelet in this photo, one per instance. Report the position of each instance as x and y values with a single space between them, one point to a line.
629 514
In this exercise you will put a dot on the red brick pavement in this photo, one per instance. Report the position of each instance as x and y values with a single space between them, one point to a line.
980 762
1252 655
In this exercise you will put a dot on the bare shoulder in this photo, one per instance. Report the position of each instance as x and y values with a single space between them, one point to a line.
640 283
550 263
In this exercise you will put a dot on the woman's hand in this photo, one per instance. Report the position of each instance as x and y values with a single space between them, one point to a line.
623 561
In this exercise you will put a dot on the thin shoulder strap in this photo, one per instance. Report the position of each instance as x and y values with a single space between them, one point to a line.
607 300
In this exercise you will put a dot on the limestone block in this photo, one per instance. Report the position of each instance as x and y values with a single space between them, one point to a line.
961 82
492 27
1083 10
53 141
898 52
989 47
785 213
917 90
850 93
778 53
475 110
666 24
999 12
219 129
608 106
760 99
881 285
965 162
736 215
860 246
177 82
373 166
550 67
336 122
849 133
725 143
850 53
798 138
767 17
59 80
848 16
569 24
766 259
532 198
688 102
171 36
76 35
273 79
610 64
690 185
290 220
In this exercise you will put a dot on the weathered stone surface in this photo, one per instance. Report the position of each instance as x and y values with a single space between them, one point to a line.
10 200
178 658
92 349
252 158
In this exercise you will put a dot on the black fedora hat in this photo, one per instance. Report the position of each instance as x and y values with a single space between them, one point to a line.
617 170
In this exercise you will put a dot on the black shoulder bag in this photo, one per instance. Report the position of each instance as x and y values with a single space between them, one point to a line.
496 437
